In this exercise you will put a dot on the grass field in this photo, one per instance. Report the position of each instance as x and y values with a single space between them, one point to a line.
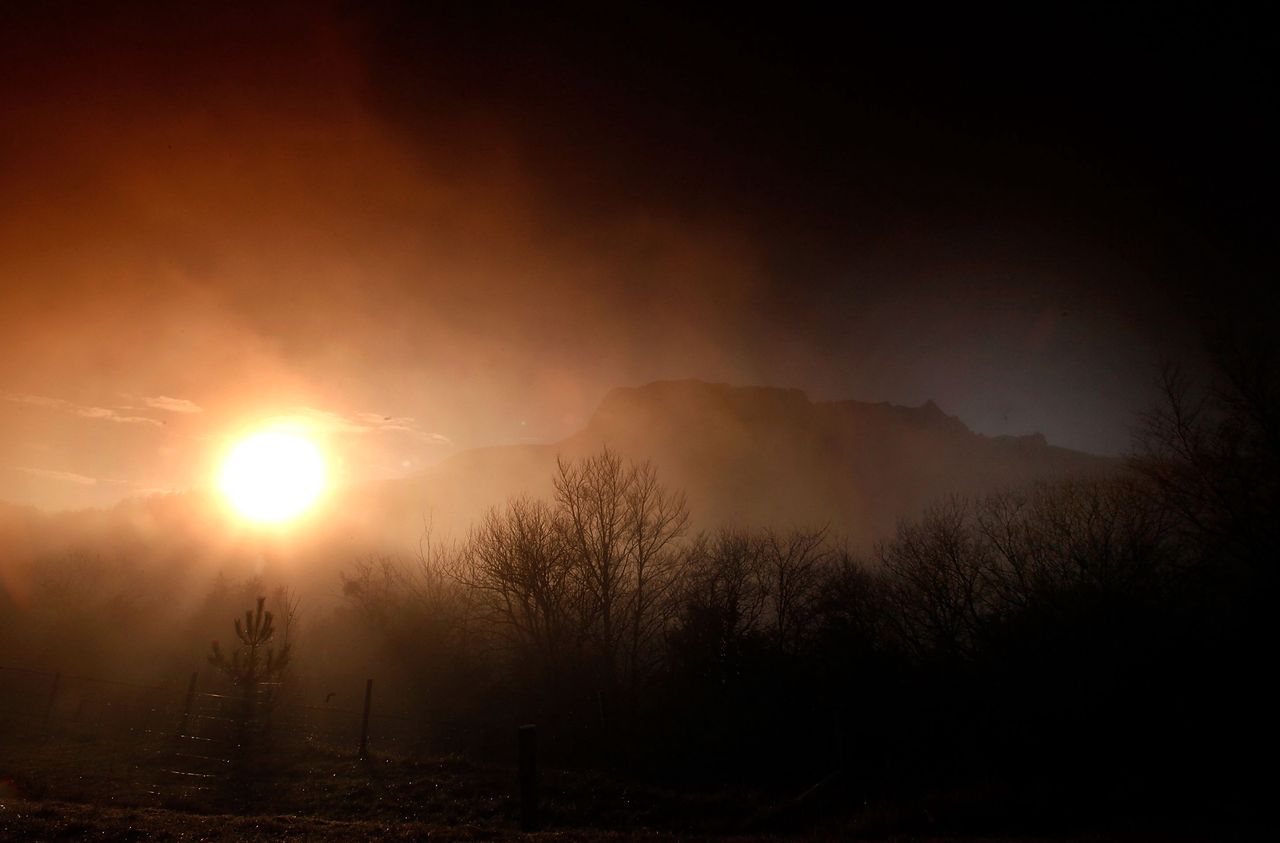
69 789
65 789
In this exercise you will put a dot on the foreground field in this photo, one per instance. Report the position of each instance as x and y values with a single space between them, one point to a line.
67 789
310 788
51 821
37 821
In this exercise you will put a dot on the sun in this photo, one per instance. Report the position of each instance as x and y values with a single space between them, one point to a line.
272 476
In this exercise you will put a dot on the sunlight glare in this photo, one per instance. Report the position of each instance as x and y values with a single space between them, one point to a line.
272 476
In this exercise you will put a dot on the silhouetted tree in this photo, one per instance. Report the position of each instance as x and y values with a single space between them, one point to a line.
1105 537
255 663
722 604
656 519
524 585
1212 453
938 581
425 627
792 566
619 525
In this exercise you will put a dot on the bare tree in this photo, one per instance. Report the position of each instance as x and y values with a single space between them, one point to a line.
1212 452
515 562
619 526
657 518
287 604
1105 536
592 496
938 581
725 593
792 565
849 603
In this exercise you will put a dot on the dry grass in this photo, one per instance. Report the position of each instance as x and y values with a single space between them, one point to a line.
117 783
67 789
34 821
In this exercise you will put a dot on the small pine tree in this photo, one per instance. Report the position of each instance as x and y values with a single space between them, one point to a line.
253 663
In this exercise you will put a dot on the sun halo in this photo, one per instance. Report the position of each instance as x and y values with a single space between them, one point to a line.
272 476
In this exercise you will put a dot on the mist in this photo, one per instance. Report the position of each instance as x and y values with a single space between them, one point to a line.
331 220
666 377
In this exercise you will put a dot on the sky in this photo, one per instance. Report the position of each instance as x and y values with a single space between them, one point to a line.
413 231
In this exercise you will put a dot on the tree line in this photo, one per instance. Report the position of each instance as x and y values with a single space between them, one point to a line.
1099 643
1099 638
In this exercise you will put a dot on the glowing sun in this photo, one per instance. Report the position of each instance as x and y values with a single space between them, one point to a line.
272 476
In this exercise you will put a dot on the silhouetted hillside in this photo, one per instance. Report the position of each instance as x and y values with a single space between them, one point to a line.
758 456
750 456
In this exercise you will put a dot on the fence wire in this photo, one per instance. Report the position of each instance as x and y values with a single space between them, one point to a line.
182 739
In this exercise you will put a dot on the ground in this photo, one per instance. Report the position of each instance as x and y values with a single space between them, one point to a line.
65 790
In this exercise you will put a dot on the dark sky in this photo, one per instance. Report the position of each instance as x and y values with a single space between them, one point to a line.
425 230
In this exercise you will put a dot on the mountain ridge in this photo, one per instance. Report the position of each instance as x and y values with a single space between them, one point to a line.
745 456
763 455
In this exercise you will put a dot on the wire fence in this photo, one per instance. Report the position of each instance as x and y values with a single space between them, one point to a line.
58 704
45 702
185 737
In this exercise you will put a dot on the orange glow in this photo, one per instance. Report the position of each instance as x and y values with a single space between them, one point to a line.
273 476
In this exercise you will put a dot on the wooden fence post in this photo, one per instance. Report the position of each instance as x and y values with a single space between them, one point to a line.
53 695
186 710
528 741
364 725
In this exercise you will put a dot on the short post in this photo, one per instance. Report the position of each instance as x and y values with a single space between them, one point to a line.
186 709
364 724
528 737
53 695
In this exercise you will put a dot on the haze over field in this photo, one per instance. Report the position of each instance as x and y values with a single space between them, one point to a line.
743 456
857 423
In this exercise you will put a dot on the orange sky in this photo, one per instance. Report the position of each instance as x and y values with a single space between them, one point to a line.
209 220
252 240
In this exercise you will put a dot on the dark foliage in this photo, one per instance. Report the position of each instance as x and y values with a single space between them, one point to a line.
1070 652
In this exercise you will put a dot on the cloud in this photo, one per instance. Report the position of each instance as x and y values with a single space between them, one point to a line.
81 410
113 416
35 400
313 420
376 419
69 477
173 405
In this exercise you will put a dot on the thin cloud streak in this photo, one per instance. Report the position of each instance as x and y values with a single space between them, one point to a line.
173 405
112 416
35 400
69 477
82 410
314 420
